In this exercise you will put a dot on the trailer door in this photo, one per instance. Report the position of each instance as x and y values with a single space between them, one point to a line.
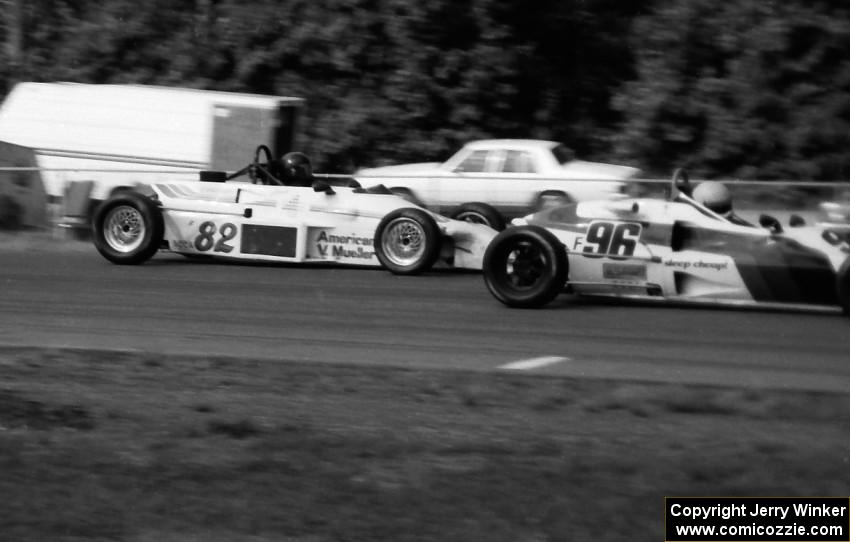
237 131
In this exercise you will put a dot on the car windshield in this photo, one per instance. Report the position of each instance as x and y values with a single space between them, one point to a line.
563 154
730 218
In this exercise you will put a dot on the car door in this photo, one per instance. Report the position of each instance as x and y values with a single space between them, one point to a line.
474 178
498 177
516 188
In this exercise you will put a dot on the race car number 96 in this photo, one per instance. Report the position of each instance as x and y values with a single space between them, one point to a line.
206 238
611 239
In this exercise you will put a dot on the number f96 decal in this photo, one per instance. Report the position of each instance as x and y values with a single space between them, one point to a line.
613 239
206 237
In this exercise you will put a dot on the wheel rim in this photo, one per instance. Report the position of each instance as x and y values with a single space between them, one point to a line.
404 241
525 265
124 228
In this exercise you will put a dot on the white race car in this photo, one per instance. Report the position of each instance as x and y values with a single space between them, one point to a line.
676 249
266 221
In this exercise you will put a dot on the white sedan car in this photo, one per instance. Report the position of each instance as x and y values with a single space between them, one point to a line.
492 180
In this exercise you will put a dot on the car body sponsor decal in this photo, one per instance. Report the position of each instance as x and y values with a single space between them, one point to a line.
331 245
624 271
292 203
698 263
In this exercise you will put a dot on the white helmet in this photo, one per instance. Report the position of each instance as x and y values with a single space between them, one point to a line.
715 196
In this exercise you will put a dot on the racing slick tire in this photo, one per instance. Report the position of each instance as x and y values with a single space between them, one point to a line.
844 288
407 241
480 213
525 267
128 228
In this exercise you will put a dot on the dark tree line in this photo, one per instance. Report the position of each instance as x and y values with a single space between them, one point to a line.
740 88
730 88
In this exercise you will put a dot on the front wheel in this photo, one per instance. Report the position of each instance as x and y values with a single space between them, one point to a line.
407 241
525 267
128 228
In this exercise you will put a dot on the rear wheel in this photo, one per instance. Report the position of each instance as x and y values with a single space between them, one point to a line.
525 267
128 228
480 213
407 241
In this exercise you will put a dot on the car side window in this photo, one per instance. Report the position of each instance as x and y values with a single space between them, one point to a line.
518 162
474 163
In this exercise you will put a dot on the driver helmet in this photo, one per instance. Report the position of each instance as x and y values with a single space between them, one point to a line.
295 169
714 196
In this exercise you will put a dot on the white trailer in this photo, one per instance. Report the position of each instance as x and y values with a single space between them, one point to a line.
120 136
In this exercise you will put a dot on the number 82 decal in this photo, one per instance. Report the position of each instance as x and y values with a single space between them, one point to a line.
206 238
613 239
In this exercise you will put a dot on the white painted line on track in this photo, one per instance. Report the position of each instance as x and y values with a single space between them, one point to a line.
533 363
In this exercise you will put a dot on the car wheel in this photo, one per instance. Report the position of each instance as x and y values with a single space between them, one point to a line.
407 241
844 287
525 267
480 213
548 200
128 228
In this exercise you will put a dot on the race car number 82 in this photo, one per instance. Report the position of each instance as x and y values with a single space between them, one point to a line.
205 240
611 239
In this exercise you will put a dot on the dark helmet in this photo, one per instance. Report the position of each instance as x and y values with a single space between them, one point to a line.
295 169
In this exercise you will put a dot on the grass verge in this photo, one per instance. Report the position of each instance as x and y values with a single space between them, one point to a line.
140 447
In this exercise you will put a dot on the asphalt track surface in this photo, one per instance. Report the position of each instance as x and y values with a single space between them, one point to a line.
75 298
